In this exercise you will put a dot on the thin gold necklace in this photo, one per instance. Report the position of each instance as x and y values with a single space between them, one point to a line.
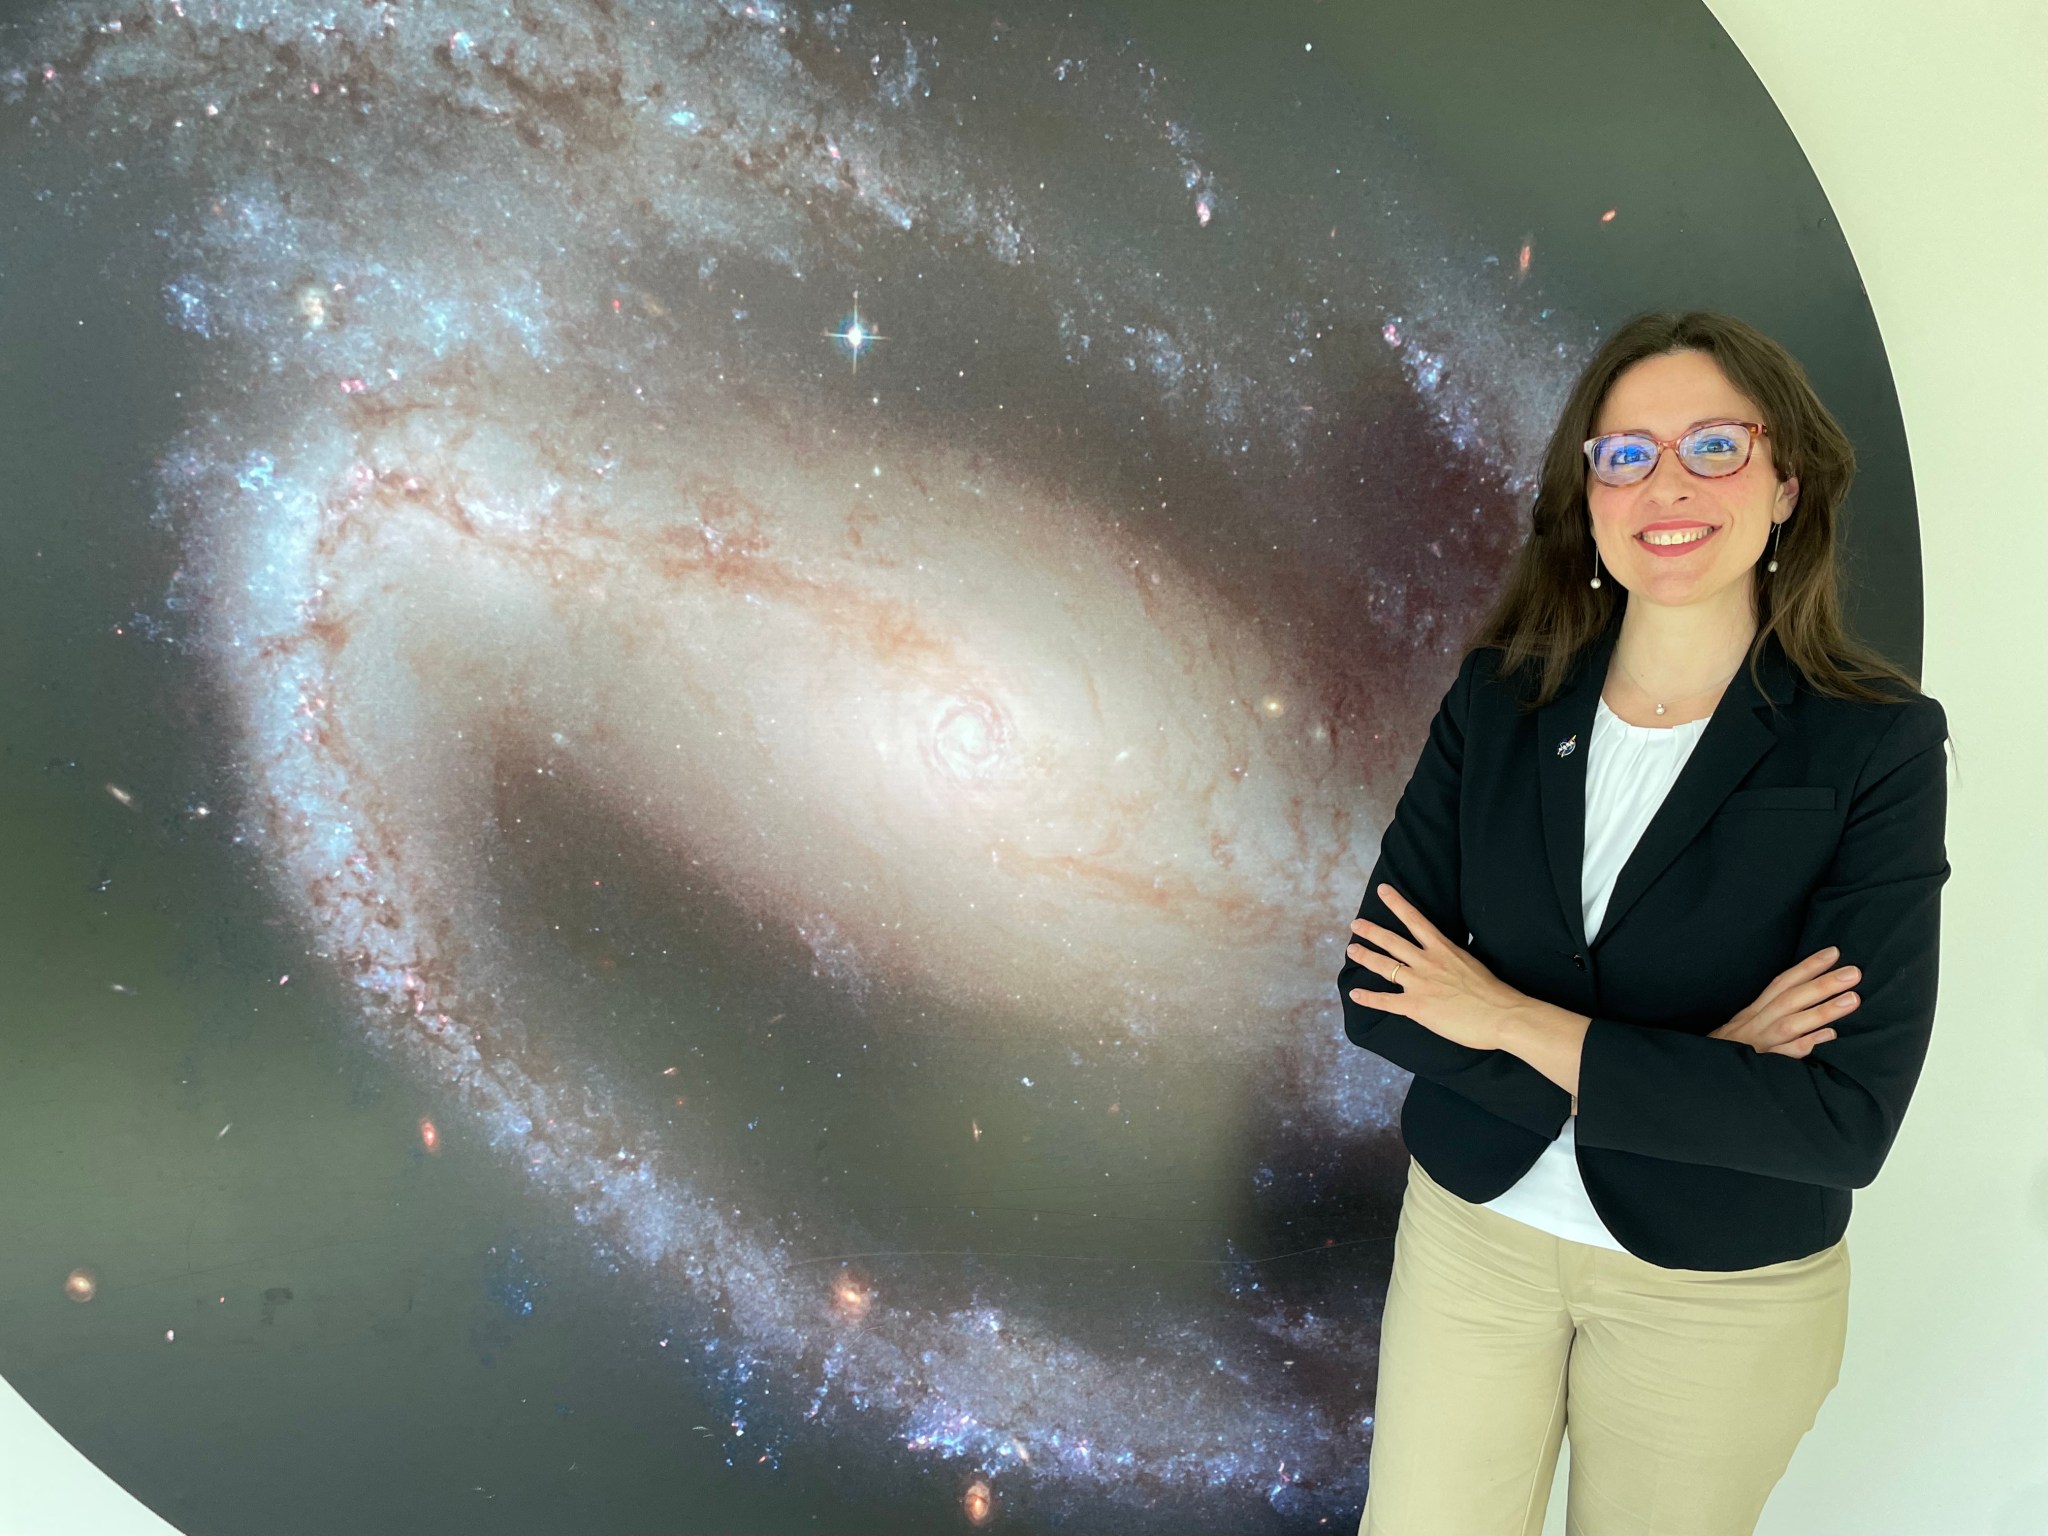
1682 697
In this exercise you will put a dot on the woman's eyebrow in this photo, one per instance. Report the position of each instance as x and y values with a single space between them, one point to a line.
1704 421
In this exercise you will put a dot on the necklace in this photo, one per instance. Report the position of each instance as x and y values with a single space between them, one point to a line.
1682 697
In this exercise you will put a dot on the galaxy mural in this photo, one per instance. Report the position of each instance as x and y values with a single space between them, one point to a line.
697 693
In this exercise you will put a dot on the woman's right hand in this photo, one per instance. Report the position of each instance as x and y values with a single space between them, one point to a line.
1794 1013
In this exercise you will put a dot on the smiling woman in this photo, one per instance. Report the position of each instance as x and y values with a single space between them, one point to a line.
706 720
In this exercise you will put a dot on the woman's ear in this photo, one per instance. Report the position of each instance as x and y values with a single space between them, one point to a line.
1789 489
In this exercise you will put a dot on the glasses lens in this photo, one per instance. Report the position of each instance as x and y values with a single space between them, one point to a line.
1720 449
1622 458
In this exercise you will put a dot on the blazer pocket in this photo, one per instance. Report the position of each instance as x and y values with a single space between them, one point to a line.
1816 797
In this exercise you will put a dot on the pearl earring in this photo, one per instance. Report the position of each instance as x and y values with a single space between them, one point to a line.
1774 548
1596 568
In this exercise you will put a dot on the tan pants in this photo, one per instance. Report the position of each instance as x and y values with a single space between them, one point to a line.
1685 1390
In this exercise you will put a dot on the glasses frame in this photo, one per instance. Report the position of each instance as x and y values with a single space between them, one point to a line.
1756 430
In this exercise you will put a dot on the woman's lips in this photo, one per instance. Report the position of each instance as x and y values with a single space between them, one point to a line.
1672 551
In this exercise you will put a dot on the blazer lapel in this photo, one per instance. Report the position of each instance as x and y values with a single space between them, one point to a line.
1738 733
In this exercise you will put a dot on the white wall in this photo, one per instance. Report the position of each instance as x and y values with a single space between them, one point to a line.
1928 127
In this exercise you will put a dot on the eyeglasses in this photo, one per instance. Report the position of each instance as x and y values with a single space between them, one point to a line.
1710 450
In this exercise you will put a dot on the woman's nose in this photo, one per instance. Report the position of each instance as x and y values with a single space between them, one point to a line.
1668 480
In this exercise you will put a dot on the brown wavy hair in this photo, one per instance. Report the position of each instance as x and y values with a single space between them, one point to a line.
1548 611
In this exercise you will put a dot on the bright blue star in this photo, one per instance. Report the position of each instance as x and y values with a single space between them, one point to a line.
853 334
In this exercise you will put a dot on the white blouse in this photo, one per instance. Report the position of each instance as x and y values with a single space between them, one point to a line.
1629 770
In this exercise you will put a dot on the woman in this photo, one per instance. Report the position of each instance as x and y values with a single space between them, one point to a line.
1662 773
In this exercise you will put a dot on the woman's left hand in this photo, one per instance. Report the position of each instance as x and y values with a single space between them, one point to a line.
1443 988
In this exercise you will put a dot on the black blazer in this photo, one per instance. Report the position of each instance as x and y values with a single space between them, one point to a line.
1785 832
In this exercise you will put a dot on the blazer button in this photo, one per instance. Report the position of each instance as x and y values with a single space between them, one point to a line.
1579 961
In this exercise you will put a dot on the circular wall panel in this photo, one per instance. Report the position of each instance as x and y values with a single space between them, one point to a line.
697 692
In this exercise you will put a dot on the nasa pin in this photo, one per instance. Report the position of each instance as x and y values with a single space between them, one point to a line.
1567 747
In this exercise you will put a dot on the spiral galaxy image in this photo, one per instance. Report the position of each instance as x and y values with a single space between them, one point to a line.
775 640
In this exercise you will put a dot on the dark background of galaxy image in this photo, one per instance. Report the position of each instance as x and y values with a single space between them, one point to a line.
629 911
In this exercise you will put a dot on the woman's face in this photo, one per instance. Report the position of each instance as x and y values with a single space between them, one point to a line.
1667 395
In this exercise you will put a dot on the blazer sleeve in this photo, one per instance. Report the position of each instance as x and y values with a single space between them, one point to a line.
1419 857
1828 1118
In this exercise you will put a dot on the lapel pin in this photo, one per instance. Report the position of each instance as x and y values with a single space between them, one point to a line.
1567 747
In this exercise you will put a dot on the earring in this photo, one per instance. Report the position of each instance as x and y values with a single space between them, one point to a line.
1596 568
1774 550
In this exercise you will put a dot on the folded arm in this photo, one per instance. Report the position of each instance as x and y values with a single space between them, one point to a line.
1419 857
1829 1117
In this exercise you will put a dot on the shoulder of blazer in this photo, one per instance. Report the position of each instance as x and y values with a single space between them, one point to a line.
1889 732
1904 731
1483 661
1480 672
1893 730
